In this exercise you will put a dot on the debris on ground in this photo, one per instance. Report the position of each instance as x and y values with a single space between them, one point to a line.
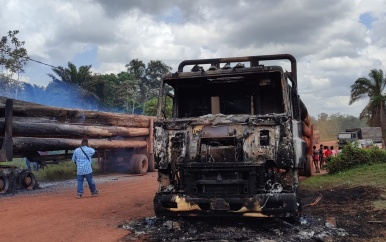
196 229
340 216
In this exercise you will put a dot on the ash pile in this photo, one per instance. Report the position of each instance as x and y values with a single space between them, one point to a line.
231 229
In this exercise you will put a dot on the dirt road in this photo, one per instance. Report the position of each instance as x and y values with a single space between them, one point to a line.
53 213
59 216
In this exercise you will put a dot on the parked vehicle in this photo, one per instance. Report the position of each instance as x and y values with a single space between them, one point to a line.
365 143
352 135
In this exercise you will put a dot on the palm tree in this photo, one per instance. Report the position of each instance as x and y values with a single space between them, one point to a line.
374 89
137 68
72 74
79 82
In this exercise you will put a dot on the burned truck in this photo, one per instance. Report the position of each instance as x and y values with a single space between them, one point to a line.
231 136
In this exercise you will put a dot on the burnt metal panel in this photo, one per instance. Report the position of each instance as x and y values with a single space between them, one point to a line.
254 60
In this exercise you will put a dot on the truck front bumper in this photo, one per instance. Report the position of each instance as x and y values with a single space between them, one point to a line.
259 205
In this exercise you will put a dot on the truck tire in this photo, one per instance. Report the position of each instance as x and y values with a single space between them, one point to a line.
27 179
141 164
132 162
4 183
151 167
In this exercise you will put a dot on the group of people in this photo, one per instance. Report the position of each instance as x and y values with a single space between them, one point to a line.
320 156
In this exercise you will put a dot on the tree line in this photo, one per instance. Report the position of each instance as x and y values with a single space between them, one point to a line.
132 91
330 126
135 90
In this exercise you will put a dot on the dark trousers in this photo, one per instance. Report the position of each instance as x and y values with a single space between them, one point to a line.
90 181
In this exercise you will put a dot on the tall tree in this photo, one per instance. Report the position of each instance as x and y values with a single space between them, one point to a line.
137 68
374 89
13 58
154 71
148 78
127 92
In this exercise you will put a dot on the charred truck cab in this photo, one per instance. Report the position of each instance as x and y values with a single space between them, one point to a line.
229 140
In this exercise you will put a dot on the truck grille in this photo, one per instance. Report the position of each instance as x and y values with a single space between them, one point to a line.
211 181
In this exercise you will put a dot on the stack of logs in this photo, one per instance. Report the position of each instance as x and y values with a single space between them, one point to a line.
36 127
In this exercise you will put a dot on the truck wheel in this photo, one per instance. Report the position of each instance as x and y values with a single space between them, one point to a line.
141 164
151 167
133 160
4 183
27 179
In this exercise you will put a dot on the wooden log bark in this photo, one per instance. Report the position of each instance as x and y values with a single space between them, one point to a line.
82 116
27 129
49 144
16 102
69 115
38 127
33 120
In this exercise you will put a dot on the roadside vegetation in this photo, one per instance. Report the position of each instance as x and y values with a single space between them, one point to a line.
354 167
53 172
352 156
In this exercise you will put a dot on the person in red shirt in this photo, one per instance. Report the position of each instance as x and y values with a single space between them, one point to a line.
328 152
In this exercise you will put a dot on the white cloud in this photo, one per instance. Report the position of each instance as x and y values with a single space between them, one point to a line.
333 48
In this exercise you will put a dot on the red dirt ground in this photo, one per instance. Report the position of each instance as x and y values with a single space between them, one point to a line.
60 216
57 215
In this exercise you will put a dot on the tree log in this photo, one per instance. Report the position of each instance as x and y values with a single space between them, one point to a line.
38 127
50 144
17 103
69 115
27 129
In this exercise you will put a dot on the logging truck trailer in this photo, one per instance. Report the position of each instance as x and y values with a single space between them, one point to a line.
235 141
47 135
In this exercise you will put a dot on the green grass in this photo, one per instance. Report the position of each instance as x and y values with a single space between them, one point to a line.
62 171
365 175
373 175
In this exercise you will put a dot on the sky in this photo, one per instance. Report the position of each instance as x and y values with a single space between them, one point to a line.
334 42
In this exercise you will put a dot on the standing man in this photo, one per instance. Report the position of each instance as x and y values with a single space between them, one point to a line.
28 163
82 158
316 159
321 156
